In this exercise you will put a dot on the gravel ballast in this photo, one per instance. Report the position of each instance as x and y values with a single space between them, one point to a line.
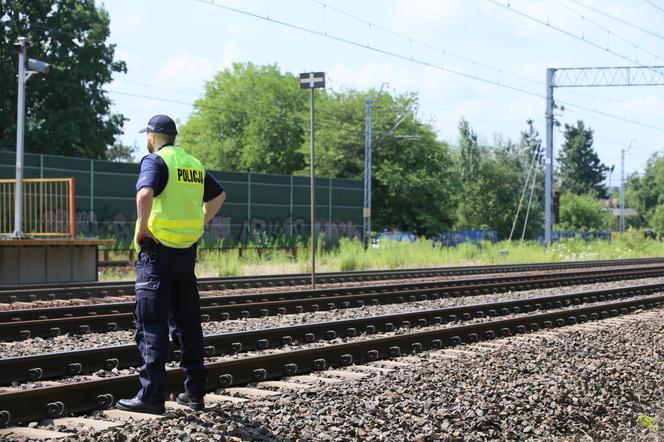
69 342
589 382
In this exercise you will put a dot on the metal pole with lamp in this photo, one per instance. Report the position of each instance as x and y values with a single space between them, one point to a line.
26 69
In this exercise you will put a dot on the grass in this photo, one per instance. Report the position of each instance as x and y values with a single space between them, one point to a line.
648 422
350 255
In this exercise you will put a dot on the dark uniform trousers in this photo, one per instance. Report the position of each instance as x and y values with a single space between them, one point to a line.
167 293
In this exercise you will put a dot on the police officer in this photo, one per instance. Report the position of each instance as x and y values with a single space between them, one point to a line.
175 198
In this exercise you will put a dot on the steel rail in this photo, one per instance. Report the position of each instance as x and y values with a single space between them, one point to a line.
80 397
469 287
19 330
53 365
10 294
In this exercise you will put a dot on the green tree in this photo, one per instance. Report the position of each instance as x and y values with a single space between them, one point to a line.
531 154
251 119
581 171
67 112
469 165
583 212
645 193
413 180
121 152
493 180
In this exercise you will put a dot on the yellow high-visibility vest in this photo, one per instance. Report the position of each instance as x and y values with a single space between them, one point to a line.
177 215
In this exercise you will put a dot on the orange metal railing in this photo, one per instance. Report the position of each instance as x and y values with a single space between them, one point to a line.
48 207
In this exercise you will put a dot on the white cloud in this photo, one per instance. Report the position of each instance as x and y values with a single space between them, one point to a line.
188 73
422 15
429 82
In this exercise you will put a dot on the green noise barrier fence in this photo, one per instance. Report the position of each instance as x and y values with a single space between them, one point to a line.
257 205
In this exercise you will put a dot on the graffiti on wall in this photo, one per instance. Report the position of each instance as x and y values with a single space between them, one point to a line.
121 227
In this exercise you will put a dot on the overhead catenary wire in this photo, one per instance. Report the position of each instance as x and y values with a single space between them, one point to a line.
372 25
413 59
607 30
654 5
570 34
618 19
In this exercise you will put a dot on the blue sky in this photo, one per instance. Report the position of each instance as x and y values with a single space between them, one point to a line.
173 46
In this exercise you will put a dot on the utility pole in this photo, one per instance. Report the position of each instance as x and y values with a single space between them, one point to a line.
622 187
26 68
366 211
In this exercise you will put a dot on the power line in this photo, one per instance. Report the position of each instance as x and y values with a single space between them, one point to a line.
619 20
654 5
414 60
411 40
625 22
425 44
565 32
370 47
371 24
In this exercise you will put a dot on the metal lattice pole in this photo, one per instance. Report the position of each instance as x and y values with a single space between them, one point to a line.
548 181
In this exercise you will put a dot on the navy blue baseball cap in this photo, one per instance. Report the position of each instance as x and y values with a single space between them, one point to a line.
161 124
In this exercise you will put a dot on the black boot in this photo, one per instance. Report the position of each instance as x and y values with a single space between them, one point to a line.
197 404
139 406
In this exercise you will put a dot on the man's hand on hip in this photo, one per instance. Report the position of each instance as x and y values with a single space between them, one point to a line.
144 232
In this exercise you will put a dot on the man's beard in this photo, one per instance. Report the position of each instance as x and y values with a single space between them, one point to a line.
150 147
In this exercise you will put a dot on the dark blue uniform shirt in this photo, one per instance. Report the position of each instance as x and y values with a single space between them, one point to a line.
154 174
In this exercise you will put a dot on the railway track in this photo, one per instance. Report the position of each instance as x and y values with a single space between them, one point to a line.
82 397
54 365
10 294
19 324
